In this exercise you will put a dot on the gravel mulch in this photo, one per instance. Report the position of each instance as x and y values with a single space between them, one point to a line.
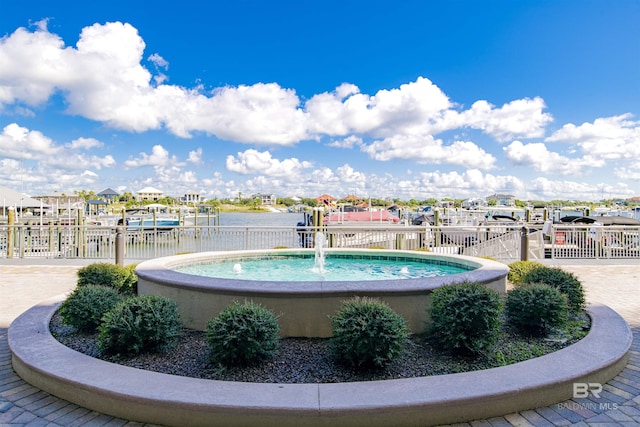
301 360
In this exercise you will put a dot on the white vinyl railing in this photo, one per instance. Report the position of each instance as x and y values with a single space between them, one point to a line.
594 242
504 243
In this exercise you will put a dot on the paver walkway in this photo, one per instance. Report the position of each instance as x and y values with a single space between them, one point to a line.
618 286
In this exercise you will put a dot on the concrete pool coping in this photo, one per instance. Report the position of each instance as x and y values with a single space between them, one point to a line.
479 270
151 397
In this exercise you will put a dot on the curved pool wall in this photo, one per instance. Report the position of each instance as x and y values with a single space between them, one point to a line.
304 307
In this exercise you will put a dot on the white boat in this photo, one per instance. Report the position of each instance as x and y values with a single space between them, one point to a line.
142 219
204 216
150 223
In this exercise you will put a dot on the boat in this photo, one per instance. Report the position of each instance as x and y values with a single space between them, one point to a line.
600 220
142 219
150 223
201 215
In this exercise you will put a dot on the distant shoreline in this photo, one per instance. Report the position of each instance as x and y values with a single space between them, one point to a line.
245 209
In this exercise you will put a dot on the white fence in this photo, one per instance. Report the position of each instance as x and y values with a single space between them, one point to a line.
504 243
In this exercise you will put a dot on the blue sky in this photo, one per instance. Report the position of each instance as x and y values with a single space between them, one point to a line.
412 99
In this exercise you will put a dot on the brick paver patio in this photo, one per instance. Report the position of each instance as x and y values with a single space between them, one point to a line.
618 286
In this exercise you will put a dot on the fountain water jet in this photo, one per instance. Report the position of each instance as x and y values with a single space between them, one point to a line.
320 243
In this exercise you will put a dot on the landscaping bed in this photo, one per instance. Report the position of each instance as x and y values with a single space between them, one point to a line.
304 360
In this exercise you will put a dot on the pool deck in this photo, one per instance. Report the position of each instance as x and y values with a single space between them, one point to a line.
23 285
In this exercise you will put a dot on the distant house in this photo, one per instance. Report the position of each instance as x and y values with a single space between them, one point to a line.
190 197
474 203
352 199
60 201
149 193
108 195
265 199
325 199
503 199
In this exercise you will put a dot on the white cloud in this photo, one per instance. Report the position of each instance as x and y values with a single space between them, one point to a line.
426 149
261 162
159 61
538 157
521 118
28 59
85 143
261 114
630 173
188 177
470 183
195 157
547 189
614 137
102 79
159 157
412 108
20 143
10 168
472 180
348 142
350 176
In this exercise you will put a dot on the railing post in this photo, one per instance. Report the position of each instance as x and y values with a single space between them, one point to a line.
11 219
524 244
120 245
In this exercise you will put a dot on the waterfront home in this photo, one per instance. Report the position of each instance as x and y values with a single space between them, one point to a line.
108 195
149 193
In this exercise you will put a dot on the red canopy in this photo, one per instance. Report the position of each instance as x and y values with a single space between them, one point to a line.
370 216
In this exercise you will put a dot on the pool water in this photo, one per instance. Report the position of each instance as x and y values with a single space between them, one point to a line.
295 269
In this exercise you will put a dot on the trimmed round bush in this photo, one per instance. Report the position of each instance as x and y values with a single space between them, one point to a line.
243 334
121 278
536 309
86 306
519 269
565 282
147 323
367 333
465 317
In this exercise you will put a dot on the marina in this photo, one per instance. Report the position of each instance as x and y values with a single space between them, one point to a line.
498 236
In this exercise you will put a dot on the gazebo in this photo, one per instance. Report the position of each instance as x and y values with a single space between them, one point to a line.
93 206
108 194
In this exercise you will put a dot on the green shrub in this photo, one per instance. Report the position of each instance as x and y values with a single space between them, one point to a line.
86 305
139 324
535 309
130 286
562 280
243 334
465 317
519 269
122 279
367 333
